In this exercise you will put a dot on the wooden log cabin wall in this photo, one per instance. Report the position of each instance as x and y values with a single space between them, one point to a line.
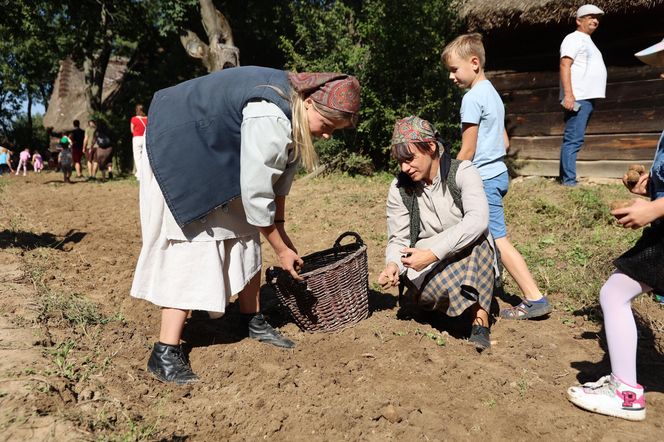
522 63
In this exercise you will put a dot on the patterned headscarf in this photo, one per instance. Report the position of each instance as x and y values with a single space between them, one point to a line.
413 129
336 91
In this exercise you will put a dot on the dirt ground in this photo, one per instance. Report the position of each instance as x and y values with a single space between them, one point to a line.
74 344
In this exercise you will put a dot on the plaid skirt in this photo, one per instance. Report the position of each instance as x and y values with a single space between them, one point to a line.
459 282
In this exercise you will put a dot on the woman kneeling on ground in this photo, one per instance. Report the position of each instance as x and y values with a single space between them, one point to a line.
437 226
221 153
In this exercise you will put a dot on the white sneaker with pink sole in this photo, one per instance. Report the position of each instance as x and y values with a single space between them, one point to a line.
611 397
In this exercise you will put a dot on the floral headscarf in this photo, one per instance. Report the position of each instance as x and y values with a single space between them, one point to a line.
333 90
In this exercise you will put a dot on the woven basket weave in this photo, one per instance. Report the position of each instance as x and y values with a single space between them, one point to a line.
334 292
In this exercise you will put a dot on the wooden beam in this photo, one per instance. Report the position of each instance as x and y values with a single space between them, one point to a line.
625 95
625 147
602 122
510 80
594 169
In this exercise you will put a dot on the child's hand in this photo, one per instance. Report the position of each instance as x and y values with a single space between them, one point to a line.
636 215
417 259
389 277
641 186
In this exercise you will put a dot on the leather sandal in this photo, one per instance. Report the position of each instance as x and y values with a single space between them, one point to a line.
527 310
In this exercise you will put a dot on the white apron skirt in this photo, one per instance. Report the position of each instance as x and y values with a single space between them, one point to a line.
199 267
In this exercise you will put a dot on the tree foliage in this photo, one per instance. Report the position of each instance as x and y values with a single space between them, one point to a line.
30 48
393 47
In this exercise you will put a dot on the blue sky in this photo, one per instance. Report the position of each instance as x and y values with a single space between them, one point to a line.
36 108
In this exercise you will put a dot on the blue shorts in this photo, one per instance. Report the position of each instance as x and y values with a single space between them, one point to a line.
495 189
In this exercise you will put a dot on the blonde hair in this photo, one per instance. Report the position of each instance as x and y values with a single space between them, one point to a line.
465 46
303 142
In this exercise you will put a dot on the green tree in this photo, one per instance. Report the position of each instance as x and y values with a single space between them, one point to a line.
30 48
393 47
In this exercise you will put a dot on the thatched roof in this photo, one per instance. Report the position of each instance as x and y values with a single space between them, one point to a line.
68 101
482 15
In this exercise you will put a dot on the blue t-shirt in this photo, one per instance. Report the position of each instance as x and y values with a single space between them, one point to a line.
482 105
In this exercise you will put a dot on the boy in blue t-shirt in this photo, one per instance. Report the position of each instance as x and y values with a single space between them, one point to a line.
484 142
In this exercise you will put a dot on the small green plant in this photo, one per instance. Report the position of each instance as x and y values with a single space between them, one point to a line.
489 403
138 431
522 385
438 339
62 360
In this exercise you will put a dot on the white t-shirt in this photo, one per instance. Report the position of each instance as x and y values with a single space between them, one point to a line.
588 70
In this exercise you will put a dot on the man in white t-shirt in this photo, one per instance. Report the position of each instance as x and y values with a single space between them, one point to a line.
582 80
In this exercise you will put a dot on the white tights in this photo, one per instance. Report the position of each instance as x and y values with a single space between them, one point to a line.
615 298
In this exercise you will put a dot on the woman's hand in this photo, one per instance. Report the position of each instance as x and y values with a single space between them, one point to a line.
417 259
291 262
389 277
284 237
288 258
641 186
639 214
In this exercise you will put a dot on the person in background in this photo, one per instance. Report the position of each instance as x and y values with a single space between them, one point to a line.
582 81
89 149
137 125
5 165
103 156
23 159
66 161
77 139
37 162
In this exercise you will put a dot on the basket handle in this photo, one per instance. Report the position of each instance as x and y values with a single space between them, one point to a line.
358 239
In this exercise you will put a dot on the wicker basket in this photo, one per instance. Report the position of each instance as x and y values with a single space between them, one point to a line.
334 292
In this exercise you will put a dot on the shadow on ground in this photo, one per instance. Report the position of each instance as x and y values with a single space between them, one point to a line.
29 240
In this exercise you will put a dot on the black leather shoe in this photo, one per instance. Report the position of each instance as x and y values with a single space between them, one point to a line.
260 330
168 363
479 336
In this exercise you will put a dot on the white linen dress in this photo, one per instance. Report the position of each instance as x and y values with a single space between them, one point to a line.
201 266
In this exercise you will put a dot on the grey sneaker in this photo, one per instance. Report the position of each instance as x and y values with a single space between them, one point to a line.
527 310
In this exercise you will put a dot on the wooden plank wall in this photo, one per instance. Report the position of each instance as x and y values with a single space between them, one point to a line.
624 128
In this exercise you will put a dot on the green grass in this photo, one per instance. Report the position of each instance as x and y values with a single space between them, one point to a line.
567 236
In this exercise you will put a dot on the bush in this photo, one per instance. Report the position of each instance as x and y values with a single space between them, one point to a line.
396 60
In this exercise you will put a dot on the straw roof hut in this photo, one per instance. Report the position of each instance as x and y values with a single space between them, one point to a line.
486 15
522 39
68 101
